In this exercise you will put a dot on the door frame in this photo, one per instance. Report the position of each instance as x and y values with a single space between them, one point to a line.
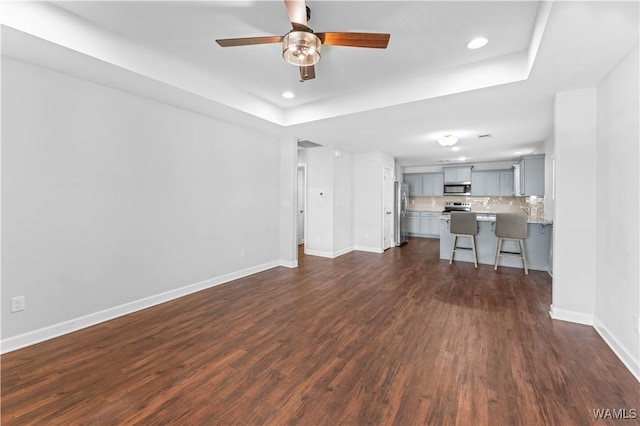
303 168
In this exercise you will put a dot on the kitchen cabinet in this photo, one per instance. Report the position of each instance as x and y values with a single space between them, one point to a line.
414 223
478 184
506 183
492 183
457 174
430 224
432 184
424 224
424 184
532 175
414 180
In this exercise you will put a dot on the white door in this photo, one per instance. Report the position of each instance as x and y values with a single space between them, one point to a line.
301 203
387 202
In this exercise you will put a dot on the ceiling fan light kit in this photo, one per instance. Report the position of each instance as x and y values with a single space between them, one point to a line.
301 48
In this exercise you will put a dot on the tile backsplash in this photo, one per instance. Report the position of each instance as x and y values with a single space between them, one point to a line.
533 206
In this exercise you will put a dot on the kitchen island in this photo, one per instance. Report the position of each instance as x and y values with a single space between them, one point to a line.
537 245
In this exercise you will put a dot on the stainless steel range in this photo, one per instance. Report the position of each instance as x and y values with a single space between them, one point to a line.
457 207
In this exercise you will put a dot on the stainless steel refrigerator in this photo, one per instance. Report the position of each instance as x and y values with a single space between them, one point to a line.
401 219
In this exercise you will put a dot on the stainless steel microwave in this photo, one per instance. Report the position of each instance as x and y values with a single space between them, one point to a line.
457 189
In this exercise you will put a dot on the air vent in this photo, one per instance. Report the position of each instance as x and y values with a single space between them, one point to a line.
307 144
486 135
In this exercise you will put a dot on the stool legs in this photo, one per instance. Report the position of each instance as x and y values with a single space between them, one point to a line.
498 248
522 255
454 238
473 247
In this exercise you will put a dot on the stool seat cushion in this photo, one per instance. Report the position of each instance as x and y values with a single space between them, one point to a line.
465 223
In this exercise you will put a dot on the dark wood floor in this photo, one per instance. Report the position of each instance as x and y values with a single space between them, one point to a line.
399 338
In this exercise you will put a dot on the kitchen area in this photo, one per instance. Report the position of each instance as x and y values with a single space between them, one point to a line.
508 188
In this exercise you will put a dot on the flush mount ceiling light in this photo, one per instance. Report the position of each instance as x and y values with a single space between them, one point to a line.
301 48
477 43
447 140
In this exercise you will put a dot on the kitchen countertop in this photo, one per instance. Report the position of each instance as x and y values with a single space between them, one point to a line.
491 217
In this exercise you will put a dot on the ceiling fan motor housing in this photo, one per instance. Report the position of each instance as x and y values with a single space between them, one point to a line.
301 48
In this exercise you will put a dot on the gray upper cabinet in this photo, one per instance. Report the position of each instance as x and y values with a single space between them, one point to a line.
415 183
432 184
478 184
457 174
532 175
492 183
429 184
506 183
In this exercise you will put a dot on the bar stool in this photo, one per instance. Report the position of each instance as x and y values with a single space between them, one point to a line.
511 226
463 224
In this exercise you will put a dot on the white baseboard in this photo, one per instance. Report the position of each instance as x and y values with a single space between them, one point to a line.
627 358
369 249
570 316
328 254
288 263
31 338
632 364
343 251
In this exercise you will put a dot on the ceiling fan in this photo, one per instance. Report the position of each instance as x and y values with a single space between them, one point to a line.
301 46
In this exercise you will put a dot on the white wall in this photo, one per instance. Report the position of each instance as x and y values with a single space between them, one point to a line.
320 199
368 202
329 202
575 217
368 208
617 293
288 202
343 203
109 199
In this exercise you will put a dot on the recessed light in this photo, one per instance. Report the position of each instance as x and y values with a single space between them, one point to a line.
455 148
288 95
477 43
462 158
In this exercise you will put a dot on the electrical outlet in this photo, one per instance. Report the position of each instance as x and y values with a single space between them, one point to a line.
243 253
17 304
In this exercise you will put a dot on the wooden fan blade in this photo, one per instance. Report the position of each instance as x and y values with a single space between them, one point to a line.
373 40
246 41
297 11
307 73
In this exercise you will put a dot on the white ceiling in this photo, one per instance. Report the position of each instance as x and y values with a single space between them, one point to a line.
398 100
